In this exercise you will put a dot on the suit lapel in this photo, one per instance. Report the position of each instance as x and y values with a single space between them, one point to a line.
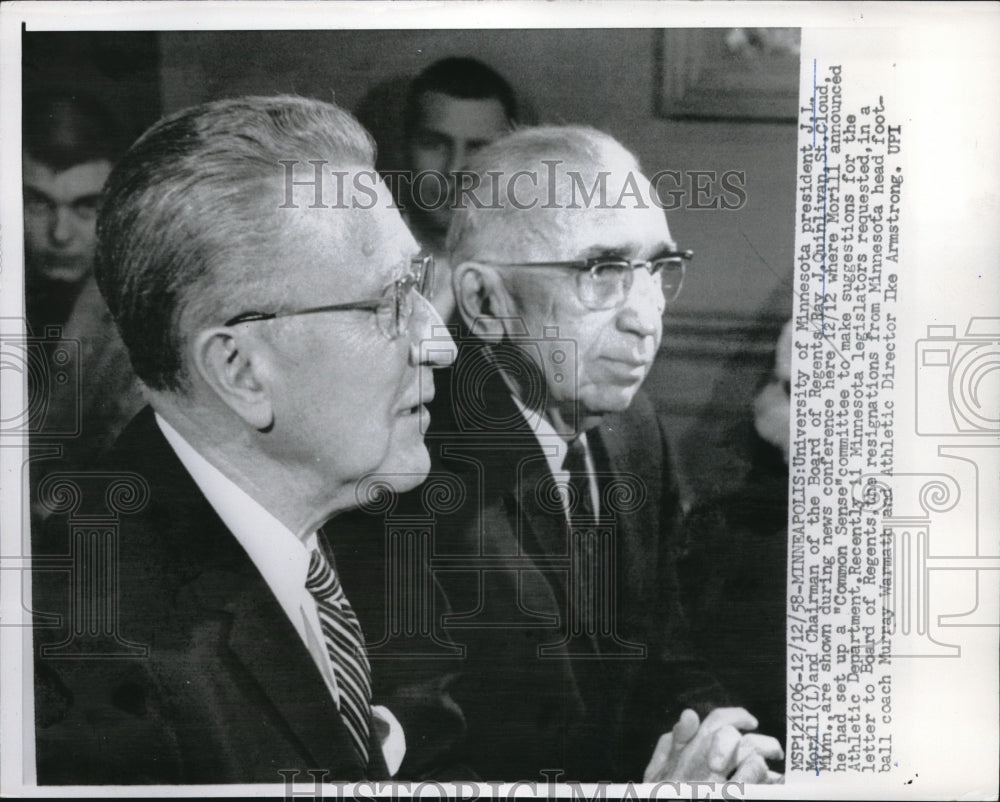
627 455
541 521
272 652
221 576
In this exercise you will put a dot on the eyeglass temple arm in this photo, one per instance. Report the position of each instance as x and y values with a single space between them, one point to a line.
687 255
253 317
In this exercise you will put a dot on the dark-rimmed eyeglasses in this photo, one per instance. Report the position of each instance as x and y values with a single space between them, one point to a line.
603 282
393 308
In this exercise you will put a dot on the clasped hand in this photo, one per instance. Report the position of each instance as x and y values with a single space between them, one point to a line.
716 749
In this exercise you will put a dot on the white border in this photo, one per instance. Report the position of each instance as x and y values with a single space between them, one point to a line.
950 46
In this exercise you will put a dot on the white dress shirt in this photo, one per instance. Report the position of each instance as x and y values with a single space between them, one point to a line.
283 560
554 447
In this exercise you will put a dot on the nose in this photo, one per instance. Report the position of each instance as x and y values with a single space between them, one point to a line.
458 157
61 226
431 342
642 312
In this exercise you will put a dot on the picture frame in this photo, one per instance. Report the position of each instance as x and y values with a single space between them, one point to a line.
749 74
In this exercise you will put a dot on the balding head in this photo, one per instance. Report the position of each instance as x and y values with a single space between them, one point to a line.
192 210
534 184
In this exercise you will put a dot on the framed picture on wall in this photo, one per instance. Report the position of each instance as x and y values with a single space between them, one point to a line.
728 73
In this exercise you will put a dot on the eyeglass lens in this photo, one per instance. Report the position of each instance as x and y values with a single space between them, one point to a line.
396 309
606 285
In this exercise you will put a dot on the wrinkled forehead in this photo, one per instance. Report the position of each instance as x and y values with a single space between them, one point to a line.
578 210
463 117
632 230
85 178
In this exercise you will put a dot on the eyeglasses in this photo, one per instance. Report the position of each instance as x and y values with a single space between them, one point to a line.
603 282
393 309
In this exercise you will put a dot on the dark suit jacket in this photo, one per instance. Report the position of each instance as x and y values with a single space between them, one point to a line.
535 695
201 678
735 575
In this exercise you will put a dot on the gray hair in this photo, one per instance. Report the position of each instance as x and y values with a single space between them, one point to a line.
191 207
566 163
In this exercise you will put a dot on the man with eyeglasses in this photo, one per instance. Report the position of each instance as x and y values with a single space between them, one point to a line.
283 351
560 558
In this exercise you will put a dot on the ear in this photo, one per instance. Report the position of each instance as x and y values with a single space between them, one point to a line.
231 365
482 299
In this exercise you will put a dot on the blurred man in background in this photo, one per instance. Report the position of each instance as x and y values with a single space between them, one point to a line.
453 108
70 143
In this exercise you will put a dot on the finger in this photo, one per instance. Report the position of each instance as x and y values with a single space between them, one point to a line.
723 749
736 717
774 778
751 770
659 759
685 729
764 745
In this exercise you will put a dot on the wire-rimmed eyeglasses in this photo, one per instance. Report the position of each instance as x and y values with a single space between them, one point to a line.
393 308
603 282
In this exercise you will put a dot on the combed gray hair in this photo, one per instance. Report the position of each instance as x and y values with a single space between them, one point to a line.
566 161
192 206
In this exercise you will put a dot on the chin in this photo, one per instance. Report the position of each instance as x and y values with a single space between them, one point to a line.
406 471
606 403
396 475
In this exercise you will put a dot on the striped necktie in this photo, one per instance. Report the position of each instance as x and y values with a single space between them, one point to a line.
345 646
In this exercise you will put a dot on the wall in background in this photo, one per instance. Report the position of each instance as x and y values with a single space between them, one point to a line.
120 70
719 337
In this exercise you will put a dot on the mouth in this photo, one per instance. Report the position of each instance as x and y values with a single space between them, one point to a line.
416 408
62 260
626 371
629 363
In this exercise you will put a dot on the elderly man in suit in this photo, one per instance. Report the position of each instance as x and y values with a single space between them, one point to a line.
561 553
281 342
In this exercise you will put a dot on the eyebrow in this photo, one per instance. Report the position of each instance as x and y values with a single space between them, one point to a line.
664 250
90 197
626 251
30 190
618 251
424 131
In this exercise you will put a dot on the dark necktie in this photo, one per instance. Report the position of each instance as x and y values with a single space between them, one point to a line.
584 576
581 507
345 646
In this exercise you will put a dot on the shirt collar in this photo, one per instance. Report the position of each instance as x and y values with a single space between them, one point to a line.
280 557
553 444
